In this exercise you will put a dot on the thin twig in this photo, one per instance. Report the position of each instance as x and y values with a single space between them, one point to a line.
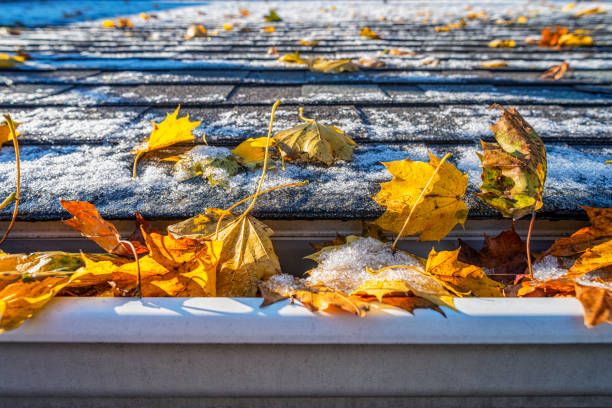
139 282
528 243
11 126
416 203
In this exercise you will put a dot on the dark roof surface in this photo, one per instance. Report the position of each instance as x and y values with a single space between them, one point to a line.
88 96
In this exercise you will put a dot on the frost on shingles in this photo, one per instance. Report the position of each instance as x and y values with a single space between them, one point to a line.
344 268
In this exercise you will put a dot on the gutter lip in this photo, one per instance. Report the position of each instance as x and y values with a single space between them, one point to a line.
238 321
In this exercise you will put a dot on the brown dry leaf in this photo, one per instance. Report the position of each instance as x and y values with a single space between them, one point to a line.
244 12
597 304
551 38
503 255
272 51
247 254
594 258
555 72
169 132
394 293
91 225
461 277
313 141
561 287
436 208
194 31
321 298
366 32
599 232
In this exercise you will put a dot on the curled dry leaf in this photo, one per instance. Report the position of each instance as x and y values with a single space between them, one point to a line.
594 258
321 298
514 168
91 225
462 278
366 32
165 134
194 31
555 72
9 61
433 197
598 233
504 256
313 141
494 64
597 304
247 255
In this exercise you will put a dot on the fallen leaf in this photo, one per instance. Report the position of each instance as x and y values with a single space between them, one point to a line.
436 208
597 304
251 152
366 32
244 12
371 63
594 258
272 51
269 29
91 225
228 27
599 232
521 20
551 38
332 66
5 132
595 10
322 298
461 277
145 16
309 43
494 64
514 168
503 256
502 44
395 51
165 134
452 26
560 287
569 6
121 23
293 58
272 16
194 31
313 141
9 61
394 293
555 72
575 40
247 255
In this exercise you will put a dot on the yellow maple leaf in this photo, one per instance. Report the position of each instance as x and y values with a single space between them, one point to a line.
461 277
165 134
252 151
247 255
427 194
502 44
313 141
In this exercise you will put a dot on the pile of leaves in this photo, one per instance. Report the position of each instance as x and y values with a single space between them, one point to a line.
225 253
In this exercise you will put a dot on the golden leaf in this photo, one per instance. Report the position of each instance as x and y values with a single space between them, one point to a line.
247 255
597 304
502 44
594 258
575 40
366 32
9 61
599 232
313 141
433 197
309 43
194 31
461 277
321 298
594 10
167 133
332 66
5 131
251 152
494 64
397 293
293 58
383 288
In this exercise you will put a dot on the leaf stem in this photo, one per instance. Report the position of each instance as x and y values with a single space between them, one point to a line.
417 202
299 183
11 126
138 155
139 282
528 244
8 200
